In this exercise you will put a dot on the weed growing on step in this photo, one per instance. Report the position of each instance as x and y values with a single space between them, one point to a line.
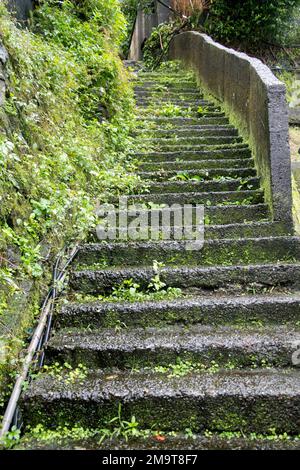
130 291
11 439
182 368
168 110
65 372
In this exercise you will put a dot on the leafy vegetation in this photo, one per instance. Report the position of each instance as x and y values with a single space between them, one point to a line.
64 133
251 21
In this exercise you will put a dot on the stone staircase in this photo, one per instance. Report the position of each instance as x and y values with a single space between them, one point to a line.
215 360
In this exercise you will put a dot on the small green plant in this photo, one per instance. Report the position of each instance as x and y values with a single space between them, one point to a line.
120 428
65 372
11 438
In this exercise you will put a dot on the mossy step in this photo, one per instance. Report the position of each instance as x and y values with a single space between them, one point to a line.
174 253
161 142
145 112
165 442
192 131
193 186
205 164
254 196
231 400
210 310
215 232
191 155
163 175
243 277
195 148
165 97
148 93
219 215
177 121
207 346
182 102
160 75
181 86
165 80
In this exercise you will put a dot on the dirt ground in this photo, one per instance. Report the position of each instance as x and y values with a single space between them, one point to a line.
295 142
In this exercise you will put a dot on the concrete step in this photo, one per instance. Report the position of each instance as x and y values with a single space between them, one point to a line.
206 186
181 86
205 164
158 76
146 112
243 217
192 131
158 142
207 175
201 346
189 155
238 277
194 106
165 442
149 93
174 253
234 309
143 121
231 400
254 196
212 232
184 101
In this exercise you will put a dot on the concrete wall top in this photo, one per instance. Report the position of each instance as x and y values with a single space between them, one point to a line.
256 100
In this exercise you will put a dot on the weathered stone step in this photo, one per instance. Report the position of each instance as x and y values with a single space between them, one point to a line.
254 196
212 232
208 277
163 80
178 442
163 175
178 121
219 215
182 102
194 148
181 86
192 131
144 112
198 344
214 252
158 76
193 186
232 400
148 93
161 142
209 310
190 155
206 164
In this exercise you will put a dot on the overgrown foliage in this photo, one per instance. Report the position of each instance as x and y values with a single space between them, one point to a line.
248 24
251 21
64 130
